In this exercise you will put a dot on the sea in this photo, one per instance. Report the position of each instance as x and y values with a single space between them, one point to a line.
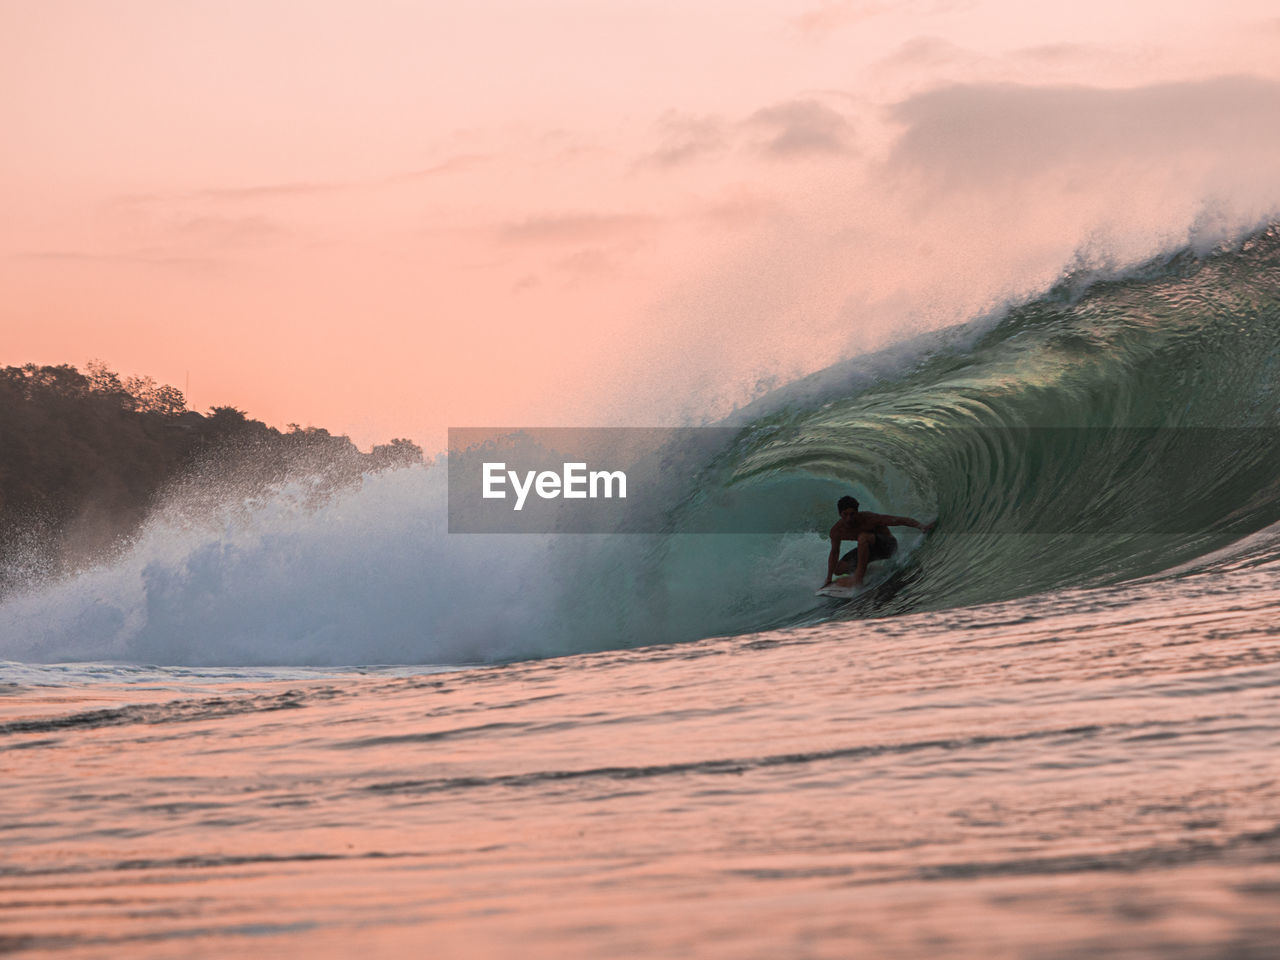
316 723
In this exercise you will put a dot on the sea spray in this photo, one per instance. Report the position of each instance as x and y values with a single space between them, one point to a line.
1092 436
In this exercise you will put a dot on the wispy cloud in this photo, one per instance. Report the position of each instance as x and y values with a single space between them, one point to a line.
828 17
578 247
140 237
589 262
833 15
995 134
576 227
284 190
458 164
801 128
928 51
141 257
684 137
223 231
926 62
1059 52
271 191
738 208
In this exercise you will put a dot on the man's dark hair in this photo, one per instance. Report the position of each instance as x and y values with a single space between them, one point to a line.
844 503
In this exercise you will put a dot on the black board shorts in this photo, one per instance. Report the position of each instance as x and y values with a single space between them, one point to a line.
886 546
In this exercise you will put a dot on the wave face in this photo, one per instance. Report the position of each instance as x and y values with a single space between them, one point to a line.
1106 431
1006 431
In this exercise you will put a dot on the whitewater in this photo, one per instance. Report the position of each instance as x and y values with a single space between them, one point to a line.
295 724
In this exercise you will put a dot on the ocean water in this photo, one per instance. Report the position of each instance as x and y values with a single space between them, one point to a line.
1053 730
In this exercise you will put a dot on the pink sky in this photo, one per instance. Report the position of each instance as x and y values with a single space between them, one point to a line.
388 218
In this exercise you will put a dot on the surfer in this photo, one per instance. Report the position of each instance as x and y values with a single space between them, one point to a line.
871 532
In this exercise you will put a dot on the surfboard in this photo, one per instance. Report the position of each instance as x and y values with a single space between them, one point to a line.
841 588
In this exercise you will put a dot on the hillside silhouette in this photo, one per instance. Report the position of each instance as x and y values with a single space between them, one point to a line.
85 456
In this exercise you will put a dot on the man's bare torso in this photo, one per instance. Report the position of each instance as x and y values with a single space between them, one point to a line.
862 523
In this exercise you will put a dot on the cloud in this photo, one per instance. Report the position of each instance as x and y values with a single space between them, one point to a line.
831 16
800 128
1059 53
142 257
589 262
990 135
306 188
224 231
69 255
928 51
738 208
132 235
926 61
686 138
579 246
270 191
458 164
576 228
828 17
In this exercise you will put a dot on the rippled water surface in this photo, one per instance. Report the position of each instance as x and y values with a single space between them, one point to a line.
1084 773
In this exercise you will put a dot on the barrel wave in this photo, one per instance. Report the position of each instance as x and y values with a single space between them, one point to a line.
1116 428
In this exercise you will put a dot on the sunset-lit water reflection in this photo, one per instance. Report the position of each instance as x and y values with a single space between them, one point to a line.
1077 774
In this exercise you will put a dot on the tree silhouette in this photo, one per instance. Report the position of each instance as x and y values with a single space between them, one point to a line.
85 457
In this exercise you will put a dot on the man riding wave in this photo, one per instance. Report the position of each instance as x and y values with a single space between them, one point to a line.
871 532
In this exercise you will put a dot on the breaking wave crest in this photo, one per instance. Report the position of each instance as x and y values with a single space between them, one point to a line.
1109 430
